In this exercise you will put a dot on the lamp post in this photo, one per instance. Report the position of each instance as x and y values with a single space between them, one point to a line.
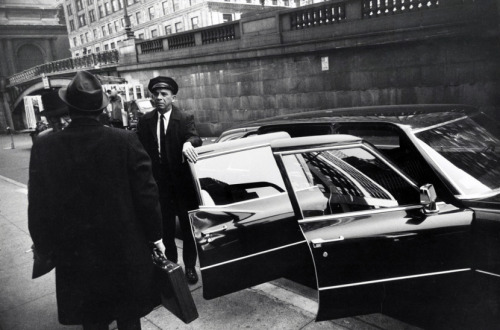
128 28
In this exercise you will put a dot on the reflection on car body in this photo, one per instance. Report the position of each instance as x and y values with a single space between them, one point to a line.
331 208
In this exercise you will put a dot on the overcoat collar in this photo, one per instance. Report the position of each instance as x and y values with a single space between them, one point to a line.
82 122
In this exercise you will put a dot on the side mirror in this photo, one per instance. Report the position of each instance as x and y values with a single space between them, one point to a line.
428 198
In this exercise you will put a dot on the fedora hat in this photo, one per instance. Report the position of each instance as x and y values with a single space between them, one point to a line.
163 82
84 92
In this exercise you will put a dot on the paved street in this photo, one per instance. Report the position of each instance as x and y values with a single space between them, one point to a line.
31 304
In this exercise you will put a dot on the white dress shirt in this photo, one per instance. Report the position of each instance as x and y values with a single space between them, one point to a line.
166 119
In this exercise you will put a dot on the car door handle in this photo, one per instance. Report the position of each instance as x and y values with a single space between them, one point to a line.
399 235
318 242
213 231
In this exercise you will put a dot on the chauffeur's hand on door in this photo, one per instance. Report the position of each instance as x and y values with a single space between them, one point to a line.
189 152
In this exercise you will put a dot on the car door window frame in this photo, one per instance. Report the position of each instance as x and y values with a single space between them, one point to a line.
366 146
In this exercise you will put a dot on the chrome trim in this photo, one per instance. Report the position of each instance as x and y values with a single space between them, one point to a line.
394 279
478 196
318 242
230 151
359 213
322 148
252 255
487 273
423 129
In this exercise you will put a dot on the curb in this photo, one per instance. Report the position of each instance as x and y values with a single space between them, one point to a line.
14 182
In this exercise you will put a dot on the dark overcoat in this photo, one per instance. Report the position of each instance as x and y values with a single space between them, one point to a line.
181 129
93 202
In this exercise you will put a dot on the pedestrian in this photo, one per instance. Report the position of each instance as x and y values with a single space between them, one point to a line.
101 249
169 136
54 109
116 109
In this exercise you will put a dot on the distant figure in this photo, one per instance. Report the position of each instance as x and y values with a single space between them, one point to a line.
54 109
116 109
169 136
101 249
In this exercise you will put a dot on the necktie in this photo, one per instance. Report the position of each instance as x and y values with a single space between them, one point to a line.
163 147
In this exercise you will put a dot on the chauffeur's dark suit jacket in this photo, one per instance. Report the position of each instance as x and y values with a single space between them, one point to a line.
177 192
93 202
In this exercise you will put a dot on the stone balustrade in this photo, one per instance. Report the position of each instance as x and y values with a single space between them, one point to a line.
89 61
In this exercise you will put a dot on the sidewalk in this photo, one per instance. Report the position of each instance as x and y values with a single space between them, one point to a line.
31 304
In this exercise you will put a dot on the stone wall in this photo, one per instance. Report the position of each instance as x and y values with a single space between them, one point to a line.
224 94
442 54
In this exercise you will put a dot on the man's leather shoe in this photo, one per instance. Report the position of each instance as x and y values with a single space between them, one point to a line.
191 275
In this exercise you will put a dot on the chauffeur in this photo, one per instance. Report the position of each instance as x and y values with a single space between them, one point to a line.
101 251
169 136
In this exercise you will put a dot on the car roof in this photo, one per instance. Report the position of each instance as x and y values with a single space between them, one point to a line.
277 141
416 116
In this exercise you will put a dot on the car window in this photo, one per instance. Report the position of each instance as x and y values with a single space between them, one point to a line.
239 176
467 152
345 180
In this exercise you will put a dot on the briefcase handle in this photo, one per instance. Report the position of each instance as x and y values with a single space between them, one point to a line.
162 262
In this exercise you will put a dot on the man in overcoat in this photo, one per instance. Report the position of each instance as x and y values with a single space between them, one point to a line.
101 250
169 136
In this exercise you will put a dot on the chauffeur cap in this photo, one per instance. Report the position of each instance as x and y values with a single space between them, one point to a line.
163 82
84 92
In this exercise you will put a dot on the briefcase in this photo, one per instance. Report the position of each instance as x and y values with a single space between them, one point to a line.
175 293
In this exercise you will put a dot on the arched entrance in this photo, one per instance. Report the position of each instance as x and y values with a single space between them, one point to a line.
28 56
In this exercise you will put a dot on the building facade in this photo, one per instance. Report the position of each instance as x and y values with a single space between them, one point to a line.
31 33
98 25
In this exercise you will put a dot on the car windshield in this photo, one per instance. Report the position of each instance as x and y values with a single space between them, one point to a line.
467 152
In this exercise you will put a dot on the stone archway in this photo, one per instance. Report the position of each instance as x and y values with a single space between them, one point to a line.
28 56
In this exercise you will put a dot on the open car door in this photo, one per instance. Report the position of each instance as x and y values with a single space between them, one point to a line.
368 232
246 231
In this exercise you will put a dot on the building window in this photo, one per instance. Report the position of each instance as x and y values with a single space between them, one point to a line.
154 33
92 15
81 39
275 2
74 42
249 1
70 11
113 45
110 28
101 12
107 6
97 49
79 5
81 20
151 11
176 5
165 8
178 27
227 18
95 34
194 22
86 37
103 28
77 54
286 2
106 47
122 21
114 4
141 35
117 26
168 29
71 25
90 2
138 17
